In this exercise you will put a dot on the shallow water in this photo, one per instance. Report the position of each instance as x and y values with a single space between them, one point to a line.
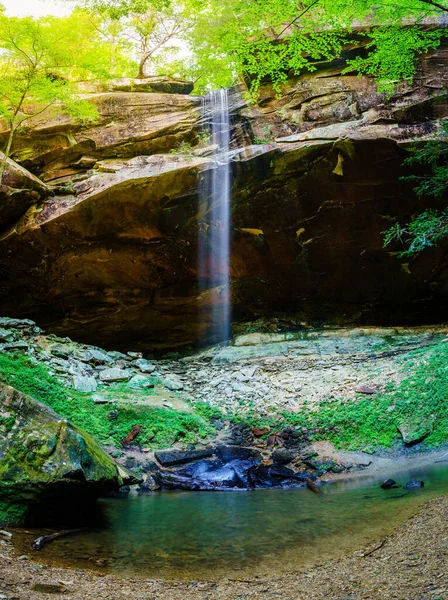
191 535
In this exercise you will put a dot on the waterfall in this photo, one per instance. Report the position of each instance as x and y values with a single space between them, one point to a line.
214 211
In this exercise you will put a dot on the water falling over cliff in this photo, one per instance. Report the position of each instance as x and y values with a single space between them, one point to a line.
214 210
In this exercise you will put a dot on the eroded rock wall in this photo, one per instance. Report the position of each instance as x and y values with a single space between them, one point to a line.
114 260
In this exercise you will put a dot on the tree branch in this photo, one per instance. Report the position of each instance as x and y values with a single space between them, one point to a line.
436 5
309 7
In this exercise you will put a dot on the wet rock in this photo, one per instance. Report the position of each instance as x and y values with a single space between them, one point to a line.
113 415
228 453
283 456
414 484
241 434
388 484
145 366
114 374
233 474
276 476
84 384
415 430
149 484
169 458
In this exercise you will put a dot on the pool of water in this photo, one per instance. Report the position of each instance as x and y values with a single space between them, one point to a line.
192 535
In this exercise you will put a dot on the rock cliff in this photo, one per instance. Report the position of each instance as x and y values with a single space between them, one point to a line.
111 258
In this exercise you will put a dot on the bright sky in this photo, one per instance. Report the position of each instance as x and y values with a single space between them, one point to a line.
37 8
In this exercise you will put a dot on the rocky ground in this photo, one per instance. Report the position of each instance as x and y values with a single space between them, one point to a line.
266 372
409 564
261 374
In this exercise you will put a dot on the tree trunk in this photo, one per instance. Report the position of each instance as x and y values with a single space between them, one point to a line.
6 153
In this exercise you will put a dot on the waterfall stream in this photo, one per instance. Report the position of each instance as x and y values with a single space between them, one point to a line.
214 210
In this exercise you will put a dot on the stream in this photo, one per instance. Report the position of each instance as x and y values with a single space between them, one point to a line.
195 535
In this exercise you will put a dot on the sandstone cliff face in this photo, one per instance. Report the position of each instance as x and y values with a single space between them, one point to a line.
115 261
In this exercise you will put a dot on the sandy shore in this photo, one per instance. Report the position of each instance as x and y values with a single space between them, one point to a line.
409 564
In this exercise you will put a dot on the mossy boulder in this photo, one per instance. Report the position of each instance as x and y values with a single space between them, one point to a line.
50 470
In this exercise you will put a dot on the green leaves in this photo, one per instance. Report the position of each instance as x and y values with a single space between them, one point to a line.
393 55
429 228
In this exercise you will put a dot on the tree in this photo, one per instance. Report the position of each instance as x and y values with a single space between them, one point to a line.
270 39
38 60
430 227
148 26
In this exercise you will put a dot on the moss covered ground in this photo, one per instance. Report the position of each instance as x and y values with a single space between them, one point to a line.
161 427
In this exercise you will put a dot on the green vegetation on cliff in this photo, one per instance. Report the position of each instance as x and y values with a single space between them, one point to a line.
161 427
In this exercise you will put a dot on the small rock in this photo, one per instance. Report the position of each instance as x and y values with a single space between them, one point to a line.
363 389
283 456
144 365
84 384
140 382
114 374
47 588
173 384
259 431
99 399
113 415
135 354
61 350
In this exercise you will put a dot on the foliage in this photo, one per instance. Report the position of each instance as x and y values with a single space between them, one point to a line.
161 427
271 39
430 227
38 59
149 27
394 54
183 147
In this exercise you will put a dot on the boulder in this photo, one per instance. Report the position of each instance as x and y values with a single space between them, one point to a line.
114 374
84 383
414 429
50 470
144 365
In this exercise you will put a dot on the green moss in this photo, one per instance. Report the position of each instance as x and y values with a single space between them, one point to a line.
161 427
12 513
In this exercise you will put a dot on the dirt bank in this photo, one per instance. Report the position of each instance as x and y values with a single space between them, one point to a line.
409 564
